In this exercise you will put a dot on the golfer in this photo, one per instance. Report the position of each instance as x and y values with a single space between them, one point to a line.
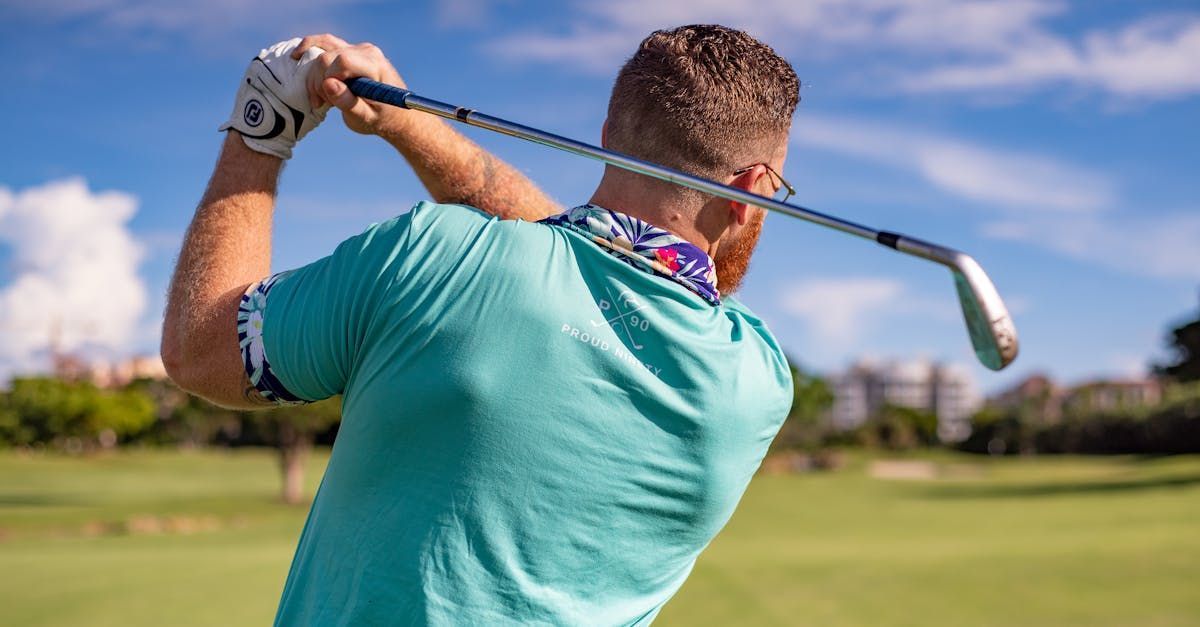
547 414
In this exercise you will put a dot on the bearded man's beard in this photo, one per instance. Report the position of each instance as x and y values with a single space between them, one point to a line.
733 258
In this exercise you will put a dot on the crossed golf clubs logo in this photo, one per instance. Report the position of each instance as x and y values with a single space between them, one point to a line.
624 309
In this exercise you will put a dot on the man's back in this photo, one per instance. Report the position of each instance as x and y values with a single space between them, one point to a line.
533 430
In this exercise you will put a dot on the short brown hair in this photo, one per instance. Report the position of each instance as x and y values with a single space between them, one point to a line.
701 98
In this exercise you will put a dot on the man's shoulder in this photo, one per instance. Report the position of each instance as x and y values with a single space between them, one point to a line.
435 211
427 216
458 222
757 337
447 242
741 315
431 228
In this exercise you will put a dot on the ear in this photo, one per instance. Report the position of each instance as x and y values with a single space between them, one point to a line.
739 212
604 134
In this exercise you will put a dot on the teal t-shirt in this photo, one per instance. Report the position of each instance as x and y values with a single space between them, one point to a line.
533 431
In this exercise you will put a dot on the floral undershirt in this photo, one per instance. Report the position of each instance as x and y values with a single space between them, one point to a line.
644 246
636 242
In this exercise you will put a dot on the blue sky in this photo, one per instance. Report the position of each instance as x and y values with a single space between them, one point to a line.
1056 142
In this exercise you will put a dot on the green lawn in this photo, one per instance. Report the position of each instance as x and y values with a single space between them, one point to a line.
167 538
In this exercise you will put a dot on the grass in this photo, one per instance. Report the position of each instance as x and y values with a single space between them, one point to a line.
145 538
153 537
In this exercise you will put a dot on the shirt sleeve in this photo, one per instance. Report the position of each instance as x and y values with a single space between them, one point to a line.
303 331
300 330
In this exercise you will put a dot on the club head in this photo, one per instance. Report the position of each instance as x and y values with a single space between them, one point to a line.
988 323
992 332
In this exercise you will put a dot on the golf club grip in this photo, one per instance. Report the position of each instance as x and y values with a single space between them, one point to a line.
377 91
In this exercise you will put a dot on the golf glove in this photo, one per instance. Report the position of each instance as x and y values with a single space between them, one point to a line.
272 111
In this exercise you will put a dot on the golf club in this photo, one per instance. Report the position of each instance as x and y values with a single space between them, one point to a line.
991 329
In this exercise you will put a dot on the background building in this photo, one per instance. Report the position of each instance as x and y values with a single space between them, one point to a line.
945 390
109 375
1040 399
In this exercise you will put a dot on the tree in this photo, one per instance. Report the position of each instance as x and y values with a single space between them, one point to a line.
185 420
1185 341
292 430
899 428
805 426
191 421
71 415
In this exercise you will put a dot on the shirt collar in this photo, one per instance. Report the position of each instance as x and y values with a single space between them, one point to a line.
644 246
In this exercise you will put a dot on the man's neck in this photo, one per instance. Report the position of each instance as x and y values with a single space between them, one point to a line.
664 213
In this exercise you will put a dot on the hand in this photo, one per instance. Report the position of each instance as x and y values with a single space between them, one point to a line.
272 110
339 62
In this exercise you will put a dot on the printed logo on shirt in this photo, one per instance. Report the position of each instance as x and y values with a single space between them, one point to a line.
621 314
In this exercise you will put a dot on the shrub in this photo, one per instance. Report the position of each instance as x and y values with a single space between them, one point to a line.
40 410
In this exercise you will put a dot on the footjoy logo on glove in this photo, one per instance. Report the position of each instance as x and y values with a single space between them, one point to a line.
253 113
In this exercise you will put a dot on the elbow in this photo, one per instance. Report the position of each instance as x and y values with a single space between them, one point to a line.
185 369
172 361
175 360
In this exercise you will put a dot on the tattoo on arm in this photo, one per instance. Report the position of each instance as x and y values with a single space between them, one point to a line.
481 191
501 191
456 170
488 165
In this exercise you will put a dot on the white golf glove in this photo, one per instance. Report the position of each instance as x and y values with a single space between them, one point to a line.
272 111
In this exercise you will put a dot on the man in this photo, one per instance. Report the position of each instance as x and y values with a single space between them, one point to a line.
545 419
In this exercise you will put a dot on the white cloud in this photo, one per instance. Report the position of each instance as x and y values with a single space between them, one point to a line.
600 33
1011 179
1153 58
922 45
583 49
805 28
473 14
841 310
199 22
72 275
966 27
836 309
1050 204
1160 246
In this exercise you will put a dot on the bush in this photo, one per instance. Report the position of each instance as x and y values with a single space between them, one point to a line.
1172 427
899 428
40 410
806 427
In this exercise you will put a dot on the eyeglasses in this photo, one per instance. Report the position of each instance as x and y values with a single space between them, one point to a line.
784 189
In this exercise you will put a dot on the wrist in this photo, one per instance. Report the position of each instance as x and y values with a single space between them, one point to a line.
415 135
243 169
399 127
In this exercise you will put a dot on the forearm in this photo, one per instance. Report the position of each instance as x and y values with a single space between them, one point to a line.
227 247
455 169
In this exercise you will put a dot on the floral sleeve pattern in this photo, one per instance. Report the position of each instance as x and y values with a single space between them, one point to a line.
250 340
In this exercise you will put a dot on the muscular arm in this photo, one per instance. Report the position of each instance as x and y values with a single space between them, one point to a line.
456 170
227 247
453 168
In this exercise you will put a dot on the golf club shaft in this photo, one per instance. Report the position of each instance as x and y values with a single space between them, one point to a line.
390 94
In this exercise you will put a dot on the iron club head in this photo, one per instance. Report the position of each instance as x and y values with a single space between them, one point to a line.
993 335
992 332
